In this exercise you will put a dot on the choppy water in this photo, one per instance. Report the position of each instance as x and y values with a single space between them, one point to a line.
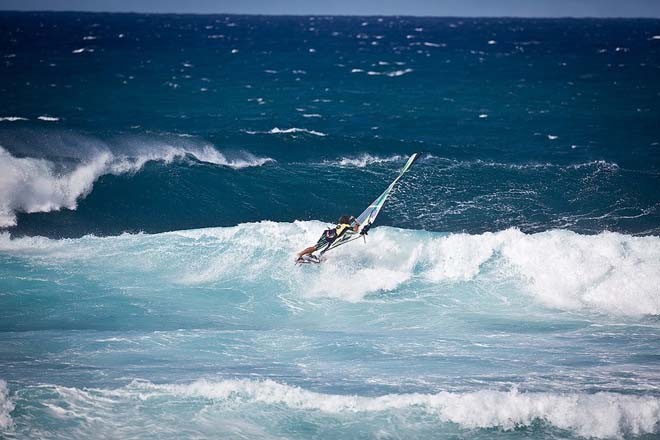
157 174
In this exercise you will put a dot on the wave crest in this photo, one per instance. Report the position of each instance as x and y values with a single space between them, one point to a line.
600 415
607 273
29 184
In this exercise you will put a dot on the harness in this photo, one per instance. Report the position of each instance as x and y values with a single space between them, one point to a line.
333 233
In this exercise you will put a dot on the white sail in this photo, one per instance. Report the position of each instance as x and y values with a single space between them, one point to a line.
369 215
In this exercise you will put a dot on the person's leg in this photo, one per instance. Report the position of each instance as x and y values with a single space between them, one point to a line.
322 242
306 251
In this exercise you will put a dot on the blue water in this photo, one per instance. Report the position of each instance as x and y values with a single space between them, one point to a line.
159 172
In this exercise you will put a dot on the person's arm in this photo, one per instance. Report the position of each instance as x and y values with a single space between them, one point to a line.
356 228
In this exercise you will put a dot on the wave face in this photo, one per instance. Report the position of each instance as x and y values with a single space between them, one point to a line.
549 334
29 184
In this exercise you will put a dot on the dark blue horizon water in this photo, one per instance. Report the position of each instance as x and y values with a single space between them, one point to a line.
159 172
530 123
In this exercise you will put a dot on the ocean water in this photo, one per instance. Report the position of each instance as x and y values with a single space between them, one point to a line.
159 172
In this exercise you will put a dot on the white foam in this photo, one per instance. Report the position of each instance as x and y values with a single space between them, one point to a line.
6 406
38 185
391 74
600 164
608 273
311 115
12 118
277 130
48 118
599 415
363 160
399 72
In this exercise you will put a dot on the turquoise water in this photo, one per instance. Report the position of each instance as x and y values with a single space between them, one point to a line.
158 174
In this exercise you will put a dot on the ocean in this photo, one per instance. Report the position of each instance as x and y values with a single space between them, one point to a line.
158 174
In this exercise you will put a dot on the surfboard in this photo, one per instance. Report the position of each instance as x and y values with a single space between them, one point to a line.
308 259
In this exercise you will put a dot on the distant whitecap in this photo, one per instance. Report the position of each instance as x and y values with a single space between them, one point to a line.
277 130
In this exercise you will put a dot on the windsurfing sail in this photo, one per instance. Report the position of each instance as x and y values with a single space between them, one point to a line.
369 215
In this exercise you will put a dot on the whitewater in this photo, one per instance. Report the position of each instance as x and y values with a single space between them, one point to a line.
544 333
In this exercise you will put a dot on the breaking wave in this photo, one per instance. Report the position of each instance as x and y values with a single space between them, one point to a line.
29 184
607 273
599 415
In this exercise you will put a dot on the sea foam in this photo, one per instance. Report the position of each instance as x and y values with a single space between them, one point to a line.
6 406
295 130
292 130
598 415
363 160
608 273
391 74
